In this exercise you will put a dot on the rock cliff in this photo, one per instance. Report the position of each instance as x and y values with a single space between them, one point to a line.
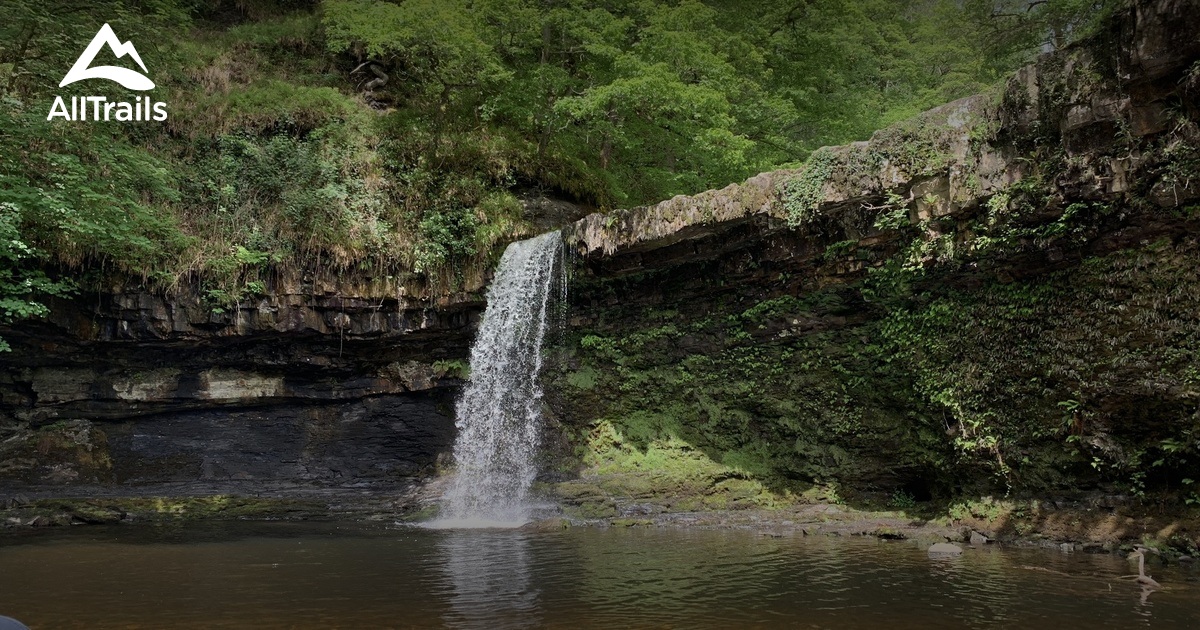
999 295
313 384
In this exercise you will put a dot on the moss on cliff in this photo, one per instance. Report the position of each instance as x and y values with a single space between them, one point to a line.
1079 379
996 296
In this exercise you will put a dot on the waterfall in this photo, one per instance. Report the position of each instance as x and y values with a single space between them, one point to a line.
498 414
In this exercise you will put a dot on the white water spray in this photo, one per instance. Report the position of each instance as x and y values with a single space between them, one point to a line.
499 414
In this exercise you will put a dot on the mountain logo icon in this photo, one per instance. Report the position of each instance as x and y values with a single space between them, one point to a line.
129 78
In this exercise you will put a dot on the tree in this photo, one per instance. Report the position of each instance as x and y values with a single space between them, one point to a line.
438 49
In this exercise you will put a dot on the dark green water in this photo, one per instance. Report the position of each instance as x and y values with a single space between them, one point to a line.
246 575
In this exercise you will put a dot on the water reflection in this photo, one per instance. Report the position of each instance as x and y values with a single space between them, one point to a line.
278 576
487 579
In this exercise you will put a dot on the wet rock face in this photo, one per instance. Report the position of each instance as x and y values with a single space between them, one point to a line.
139 388
118 425
376 440
380 441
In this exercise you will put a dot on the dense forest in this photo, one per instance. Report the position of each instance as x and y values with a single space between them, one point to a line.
399 139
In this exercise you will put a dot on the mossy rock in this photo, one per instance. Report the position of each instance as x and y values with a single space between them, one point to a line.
593 510
631 522
423 513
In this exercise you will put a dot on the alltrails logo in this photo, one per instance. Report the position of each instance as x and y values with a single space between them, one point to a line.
142 108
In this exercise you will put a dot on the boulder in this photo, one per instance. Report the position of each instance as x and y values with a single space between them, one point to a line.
944 550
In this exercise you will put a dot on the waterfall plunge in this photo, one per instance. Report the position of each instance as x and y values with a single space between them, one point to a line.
498 415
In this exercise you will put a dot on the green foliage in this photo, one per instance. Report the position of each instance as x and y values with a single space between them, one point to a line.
894 214
582 379
985 508
457 368
40 40
50 175
274 145
902 500
446 236
802 194
439 44
285 196
784 412
56 208
21 285
1011 31
916 146
274 105
838 250
663 99
290 31
1011 407
771 309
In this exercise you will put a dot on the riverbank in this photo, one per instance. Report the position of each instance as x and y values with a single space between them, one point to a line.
1097 525
188 502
